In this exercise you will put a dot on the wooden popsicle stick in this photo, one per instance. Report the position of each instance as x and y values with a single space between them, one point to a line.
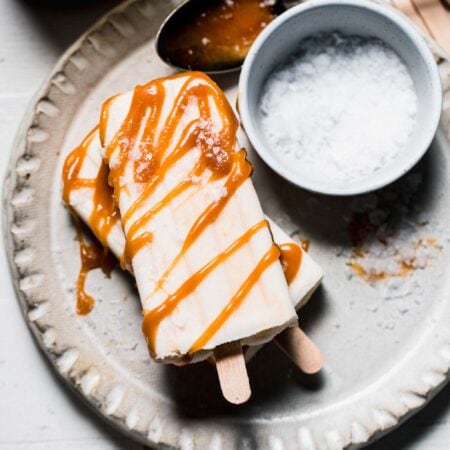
300 349
232 372
408 8
437 20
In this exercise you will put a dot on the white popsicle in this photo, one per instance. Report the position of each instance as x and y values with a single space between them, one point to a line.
82 197
206 267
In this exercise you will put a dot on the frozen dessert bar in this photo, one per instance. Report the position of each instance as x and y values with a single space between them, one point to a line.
207 270
87 192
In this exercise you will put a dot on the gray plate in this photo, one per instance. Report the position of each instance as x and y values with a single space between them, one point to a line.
386 344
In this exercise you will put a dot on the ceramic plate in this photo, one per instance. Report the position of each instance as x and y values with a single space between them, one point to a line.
386 339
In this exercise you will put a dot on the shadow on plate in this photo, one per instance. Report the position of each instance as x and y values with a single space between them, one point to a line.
61 22
413 433
326 219
196 392
274 379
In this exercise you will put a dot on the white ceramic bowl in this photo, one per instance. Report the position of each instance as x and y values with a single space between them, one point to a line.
279 41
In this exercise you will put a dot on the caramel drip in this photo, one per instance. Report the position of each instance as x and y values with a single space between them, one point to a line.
92 256
192 135
104 117
147 147
267 260
105 213
72 167
305 244
103 217
146 105
291 260
154 317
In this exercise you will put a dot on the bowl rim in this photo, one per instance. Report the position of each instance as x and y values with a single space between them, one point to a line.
410 32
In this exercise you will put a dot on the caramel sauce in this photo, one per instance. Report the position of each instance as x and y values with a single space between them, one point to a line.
361 232
105 212
92 256
132 247
151 97
150 165
155 158
404 270
241 170
291 260
154 317
103 217
267 260
213 35
305 244
146 144
72 167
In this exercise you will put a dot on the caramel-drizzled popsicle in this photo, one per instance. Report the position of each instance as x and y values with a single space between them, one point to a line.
206 267
87 192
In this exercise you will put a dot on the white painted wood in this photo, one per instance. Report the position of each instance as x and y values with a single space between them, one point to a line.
36 411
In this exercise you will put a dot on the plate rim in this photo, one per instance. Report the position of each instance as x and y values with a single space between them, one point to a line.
384 418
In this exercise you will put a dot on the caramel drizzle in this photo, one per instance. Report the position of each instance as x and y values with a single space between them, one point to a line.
153 164
152 159
103 217
92 256
291 260
105 213
267 260
72 167
240 172
212 34
146 105
154 317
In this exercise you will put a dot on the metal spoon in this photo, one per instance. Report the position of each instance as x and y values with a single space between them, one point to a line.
213 36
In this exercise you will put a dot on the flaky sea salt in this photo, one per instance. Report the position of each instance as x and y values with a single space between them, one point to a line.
392 240
344 106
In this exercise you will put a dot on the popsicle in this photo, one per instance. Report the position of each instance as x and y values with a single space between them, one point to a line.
87 192
207 270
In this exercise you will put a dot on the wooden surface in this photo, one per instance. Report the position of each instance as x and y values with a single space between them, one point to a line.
36 411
